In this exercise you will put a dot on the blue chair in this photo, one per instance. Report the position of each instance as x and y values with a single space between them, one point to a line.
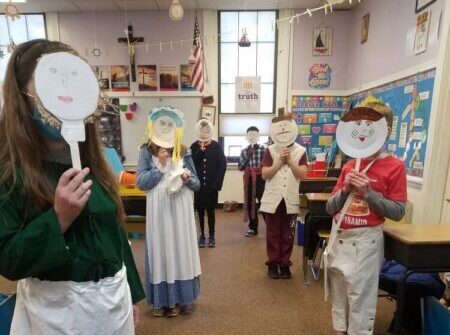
7 303
436 317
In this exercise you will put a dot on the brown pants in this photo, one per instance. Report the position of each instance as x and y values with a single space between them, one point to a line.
279 236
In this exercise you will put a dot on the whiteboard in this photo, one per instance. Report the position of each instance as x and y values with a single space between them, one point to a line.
133 131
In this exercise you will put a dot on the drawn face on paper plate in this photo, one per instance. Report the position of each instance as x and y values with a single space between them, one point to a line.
203 130
284 132
66 86
164 131
252 137
361 132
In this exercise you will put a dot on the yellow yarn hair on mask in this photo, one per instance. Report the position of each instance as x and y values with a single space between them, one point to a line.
368 99
176 155
148 131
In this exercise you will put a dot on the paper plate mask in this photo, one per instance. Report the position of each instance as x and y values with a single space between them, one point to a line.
204 130
284 130
165 129
361 132
252 137
68 89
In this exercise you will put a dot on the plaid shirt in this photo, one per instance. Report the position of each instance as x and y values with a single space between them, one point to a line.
251 157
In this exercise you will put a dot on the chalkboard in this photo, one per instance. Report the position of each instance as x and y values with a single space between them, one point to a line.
410 100
317 118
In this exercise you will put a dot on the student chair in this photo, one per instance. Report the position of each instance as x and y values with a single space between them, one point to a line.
324 236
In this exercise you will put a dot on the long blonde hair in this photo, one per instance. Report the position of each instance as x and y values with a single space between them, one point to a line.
21 146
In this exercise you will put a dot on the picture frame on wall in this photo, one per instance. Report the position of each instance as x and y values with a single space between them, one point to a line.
365 28
209 113
422 31
422 4
322 41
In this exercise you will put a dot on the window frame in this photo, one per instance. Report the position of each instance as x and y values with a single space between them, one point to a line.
26 23
27 31
219 103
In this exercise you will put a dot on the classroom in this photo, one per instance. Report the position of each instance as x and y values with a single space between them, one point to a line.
224 167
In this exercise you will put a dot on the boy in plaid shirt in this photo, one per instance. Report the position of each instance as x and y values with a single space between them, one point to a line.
250 162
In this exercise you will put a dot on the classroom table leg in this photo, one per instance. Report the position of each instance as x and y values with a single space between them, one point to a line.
401 290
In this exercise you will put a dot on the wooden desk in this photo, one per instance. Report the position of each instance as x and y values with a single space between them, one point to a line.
333 172
134 202
420 248
317 203
317 184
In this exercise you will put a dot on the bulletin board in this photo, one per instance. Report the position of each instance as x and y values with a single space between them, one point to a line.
410 99
317 118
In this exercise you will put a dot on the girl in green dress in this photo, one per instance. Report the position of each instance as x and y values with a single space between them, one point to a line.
61 229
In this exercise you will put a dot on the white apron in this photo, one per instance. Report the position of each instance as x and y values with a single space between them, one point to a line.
171 232
335 227
70 308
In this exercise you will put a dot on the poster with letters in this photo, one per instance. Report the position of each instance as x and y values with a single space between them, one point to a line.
248 95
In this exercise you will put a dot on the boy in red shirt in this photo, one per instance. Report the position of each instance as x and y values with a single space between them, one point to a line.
355 259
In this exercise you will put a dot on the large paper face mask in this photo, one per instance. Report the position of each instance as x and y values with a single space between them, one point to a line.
361 132
165 127
252 137
164 132
203 130
67 88
284 132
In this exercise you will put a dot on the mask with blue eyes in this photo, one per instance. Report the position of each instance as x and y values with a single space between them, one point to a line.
44 129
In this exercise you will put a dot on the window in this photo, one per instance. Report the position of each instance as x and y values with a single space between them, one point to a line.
27 27
256 60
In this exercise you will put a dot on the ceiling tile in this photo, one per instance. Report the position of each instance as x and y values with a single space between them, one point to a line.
97 6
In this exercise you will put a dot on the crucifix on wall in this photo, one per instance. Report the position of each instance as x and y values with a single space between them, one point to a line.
131 41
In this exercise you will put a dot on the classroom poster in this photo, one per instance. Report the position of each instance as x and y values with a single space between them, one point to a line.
317 118
147 78
120 78
168 78
410 101
186 74
102 74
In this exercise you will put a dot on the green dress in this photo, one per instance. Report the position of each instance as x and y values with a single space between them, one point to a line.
94 246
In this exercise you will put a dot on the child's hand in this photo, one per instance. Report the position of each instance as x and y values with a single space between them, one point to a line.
186 176
347 185
163 154
285 155
360 182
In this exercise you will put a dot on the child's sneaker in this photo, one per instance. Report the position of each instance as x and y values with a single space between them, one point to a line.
201 242
211 242
272 272
251 233
285 272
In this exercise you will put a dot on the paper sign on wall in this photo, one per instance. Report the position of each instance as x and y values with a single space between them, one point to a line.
248 94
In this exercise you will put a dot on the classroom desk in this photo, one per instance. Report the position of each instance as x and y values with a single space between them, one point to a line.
333 172
419 248
316 184
316 219
134 203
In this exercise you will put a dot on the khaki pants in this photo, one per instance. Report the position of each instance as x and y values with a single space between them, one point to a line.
355 261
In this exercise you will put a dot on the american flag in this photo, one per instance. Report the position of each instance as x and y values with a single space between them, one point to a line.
197 78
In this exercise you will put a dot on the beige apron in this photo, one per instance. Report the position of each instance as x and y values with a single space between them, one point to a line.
70 308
